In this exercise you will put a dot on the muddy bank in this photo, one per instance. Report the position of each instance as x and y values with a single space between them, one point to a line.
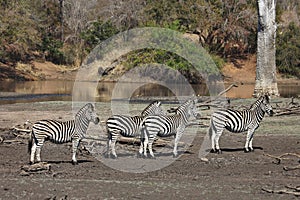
231 175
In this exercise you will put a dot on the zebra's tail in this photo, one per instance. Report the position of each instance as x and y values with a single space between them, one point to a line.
30 142
210 130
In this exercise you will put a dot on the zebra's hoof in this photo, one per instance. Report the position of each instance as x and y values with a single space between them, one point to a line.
140 155
213 151
219 151
246 151
74 162
31 163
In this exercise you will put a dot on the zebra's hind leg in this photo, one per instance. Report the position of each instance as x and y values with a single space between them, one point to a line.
217 137
212 134
150 142
38 148
32 154
113 145
108 146
146 143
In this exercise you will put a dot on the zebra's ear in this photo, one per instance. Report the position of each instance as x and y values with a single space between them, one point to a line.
158 103
194 99
91 106
267 97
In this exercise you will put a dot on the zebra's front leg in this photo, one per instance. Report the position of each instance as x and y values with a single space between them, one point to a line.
176 141
75 144
248 144
212 134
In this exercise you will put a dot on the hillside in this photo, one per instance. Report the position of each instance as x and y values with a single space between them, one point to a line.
39 33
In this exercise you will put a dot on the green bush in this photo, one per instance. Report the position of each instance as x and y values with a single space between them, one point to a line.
97 32
288 50
52 49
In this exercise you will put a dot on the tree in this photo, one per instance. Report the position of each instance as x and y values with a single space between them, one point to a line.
266 35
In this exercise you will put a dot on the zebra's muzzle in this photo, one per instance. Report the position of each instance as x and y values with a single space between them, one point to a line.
96 120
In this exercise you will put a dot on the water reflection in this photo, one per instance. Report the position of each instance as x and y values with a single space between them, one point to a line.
14 91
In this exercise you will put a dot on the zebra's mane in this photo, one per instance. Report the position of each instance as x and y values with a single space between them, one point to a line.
257 103
84 108
183 106
149 106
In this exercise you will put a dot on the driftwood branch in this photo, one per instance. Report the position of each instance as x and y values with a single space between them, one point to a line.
289 190
226 90
284 157
291 108
208 103
18 130
13 141
291 168
158 142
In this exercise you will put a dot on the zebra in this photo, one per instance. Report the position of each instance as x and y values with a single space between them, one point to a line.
239 121
61 132
165 126
128 126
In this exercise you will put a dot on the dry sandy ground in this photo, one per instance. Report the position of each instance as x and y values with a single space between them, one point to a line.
230 175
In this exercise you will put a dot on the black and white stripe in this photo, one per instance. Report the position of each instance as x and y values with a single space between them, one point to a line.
128 126
239 121
165 126
61 132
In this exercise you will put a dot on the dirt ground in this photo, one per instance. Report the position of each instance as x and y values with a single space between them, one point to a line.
230 175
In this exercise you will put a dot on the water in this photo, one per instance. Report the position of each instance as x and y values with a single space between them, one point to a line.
33 91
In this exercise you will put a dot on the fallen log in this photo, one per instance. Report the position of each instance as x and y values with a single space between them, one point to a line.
35 168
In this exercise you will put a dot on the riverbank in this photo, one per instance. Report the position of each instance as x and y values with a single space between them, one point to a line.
186 177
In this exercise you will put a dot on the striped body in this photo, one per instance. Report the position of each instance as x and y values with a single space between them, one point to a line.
239 121
165 126
128 126
52 129
125 125
61 132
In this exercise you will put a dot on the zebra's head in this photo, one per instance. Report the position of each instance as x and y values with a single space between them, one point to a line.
266 106
189 109
153 109
90 114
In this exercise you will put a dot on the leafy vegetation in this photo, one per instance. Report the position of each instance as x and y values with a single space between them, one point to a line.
65 31
288 50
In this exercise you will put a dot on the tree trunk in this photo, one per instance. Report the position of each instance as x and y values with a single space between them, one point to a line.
266 65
